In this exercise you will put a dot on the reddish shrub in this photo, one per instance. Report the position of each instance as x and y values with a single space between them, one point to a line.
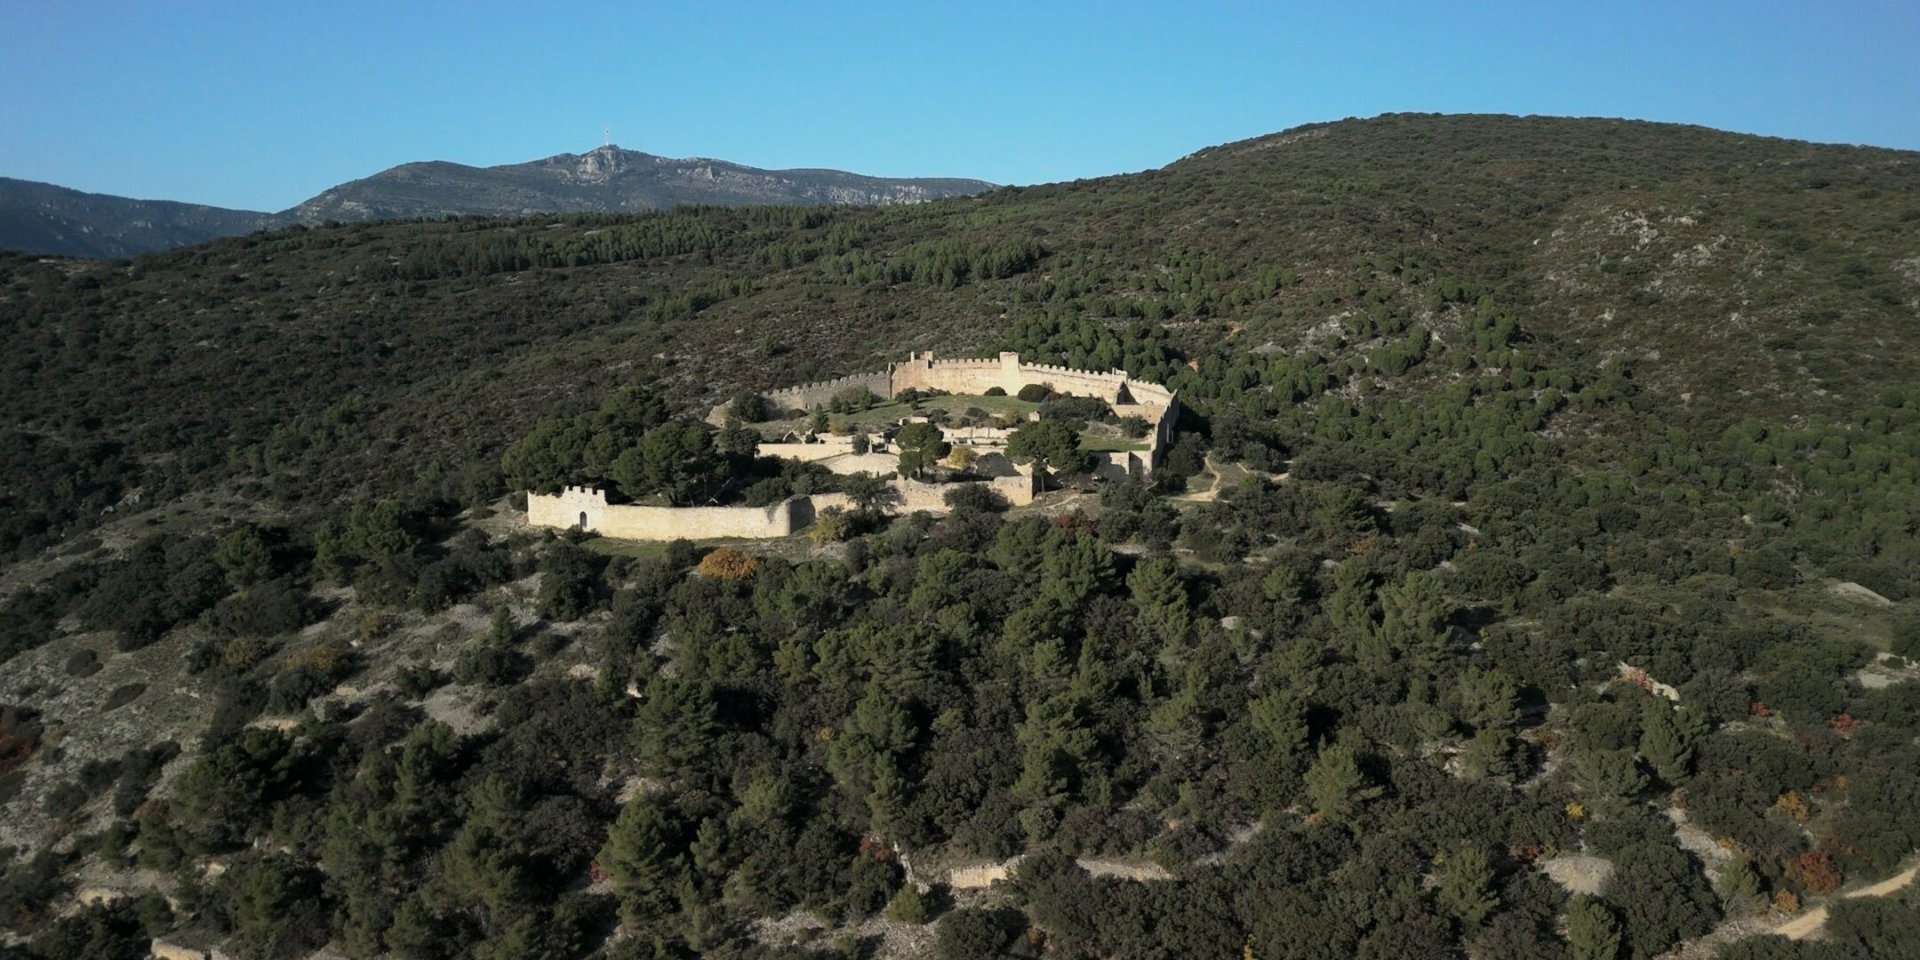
1816 871
727 563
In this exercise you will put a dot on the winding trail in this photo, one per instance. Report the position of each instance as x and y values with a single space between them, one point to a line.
1809 923
1211 493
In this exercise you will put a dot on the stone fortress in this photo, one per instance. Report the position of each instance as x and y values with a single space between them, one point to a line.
588 509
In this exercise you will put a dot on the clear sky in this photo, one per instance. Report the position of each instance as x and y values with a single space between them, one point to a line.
262 104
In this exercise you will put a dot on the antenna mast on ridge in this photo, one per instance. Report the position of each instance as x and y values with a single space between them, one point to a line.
606 136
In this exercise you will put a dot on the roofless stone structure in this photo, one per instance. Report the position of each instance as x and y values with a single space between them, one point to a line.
588 509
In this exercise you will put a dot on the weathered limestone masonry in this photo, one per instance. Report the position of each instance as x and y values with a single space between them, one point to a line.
822 449
587 508
912 495
820 394
1158 405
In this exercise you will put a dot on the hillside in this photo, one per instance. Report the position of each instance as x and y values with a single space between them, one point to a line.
1544 511
1730 277
43 218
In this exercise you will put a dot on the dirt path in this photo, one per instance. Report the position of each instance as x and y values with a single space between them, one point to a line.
1809 923
1211 493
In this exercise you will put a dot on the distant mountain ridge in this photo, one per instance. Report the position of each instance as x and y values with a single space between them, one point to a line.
608 179
47 219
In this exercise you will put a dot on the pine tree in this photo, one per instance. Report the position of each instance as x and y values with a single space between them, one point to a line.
1593 932
1350 605
1280 719
1486 699
1413 616
1609 773
1667 736
1489 754
1160 595
644 859
1464 885
1336 786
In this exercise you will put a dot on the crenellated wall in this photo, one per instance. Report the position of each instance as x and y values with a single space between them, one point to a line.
808 396
1129 397
922 371
587 508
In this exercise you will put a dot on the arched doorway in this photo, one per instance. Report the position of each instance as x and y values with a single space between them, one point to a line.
583 519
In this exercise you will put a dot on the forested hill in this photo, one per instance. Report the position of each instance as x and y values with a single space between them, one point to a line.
1727 277
1544 511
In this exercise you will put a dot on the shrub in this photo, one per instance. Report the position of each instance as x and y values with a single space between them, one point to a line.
1815 870
971 934
851 400
832 525
728 563
83 663
1076 410
275 606
123 695
908 906
1031 393
489 666
1906 636
752 408
241 653
291 690
994 392
976 497
332 659
416 680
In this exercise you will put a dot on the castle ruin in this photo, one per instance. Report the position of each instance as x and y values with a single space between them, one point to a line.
587 507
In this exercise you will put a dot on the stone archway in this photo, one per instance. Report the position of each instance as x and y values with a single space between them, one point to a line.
583 519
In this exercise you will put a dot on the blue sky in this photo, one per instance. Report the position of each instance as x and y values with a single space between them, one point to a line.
263 104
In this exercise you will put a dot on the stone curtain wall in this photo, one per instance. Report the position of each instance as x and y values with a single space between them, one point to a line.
1158 405
1130 397
819 394
923 372
633 522
587 507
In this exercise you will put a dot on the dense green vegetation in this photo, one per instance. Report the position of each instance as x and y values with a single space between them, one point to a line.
1504 428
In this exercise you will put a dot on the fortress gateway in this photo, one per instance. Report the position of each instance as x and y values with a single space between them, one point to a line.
588 509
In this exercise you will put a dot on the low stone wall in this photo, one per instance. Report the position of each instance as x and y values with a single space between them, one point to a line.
809 452
910 496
